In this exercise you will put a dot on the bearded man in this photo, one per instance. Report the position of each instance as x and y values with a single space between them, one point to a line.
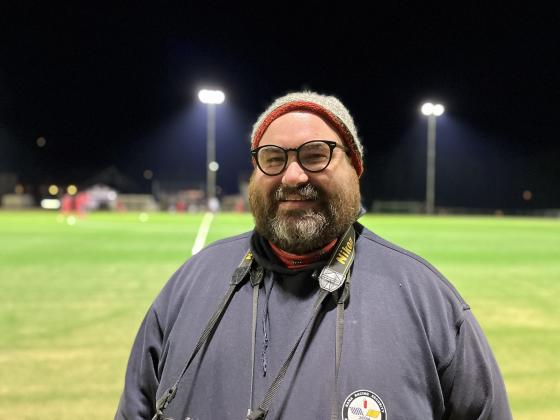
311 316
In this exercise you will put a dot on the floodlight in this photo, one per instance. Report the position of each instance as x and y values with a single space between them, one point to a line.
208 96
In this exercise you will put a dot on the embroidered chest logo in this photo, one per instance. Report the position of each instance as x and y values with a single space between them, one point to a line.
363 405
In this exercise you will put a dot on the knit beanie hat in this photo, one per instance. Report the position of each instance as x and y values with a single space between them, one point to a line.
327 107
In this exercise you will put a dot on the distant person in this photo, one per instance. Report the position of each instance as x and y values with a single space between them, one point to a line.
67 205
81 201
74 203
180 206
312 316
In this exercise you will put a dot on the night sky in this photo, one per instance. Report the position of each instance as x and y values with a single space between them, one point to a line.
115 86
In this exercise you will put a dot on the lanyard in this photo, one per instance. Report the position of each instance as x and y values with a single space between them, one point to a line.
334 275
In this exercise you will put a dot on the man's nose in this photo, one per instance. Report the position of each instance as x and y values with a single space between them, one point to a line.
294 175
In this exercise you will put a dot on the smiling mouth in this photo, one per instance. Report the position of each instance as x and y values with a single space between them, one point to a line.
296 203
291 199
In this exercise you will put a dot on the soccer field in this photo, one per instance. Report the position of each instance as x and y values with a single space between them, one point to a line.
73 295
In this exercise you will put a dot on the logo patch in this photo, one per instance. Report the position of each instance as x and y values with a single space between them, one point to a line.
363 405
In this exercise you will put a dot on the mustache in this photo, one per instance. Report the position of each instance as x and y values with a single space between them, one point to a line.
303 192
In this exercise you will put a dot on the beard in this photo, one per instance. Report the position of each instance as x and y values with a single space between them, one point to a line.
301 231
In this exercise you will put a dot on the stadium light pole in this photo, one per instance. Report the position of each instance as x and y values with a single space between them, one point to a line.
211 98
432 111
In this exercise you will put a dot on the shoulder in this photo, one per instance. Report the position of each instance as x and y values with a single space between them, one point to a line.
379 255
245 236
216 257
203 277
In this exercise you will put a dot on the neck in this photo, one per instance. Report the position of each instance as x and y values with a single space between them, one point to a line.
297 261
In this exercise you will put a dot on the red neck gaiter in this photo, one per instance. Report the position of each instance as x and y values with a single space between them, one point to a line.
294 262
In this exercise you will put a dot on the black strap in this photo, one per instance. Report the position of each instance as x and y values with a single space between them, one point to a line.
257 276
342 298
238 276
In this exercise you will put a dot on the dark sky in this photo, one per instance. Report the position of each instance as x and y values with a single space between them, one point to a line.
110 85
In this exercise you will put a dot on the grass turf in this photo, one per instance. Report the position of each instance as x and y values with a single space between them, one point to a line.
72 298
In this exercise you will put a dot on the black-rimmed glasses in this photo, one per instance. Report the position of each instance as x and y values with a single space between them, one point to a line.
313 156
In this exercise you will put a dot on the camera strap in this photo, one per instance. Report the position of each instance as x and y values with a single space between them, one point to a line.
333 276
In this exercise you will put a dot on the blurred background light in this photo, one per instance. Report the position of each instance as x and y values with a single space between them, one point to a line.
208 96
50 203
427 108
438 110
432 109
527 195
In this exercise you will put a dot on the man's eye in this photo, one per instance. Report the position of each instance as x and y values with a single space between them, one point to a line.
315 157
274 161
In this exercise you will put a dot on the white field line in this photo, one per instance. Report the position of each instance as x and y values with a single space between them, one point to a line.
202 232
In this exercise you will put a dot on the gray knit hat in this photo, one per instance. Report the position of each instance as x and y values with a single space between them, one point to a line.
327 107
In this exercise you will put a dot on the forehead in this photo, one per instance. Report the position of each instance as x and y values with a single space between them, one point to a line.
295 128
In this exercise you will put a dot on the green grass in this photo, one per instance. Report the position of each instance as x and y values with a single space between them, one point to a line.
72 298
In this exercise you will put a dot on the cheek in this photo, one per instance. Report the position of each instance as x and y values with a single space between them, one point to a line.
329 182
341 183
263 184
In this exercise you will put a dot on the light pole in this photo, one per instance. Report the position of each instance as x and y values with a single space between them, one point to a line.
432 111
211 98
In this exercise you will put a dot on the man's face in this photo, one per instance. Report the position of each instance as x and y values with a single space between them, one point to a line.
297 210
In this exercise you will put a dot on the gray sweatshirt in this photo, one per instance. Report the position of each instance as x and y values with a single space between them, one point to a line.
412 348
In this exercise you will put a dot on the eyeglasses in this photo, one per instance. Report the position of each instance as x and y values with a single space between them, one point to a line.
313 156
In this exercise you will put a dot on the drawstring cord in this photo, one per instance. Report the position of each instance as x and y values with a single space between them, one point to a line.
266 328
